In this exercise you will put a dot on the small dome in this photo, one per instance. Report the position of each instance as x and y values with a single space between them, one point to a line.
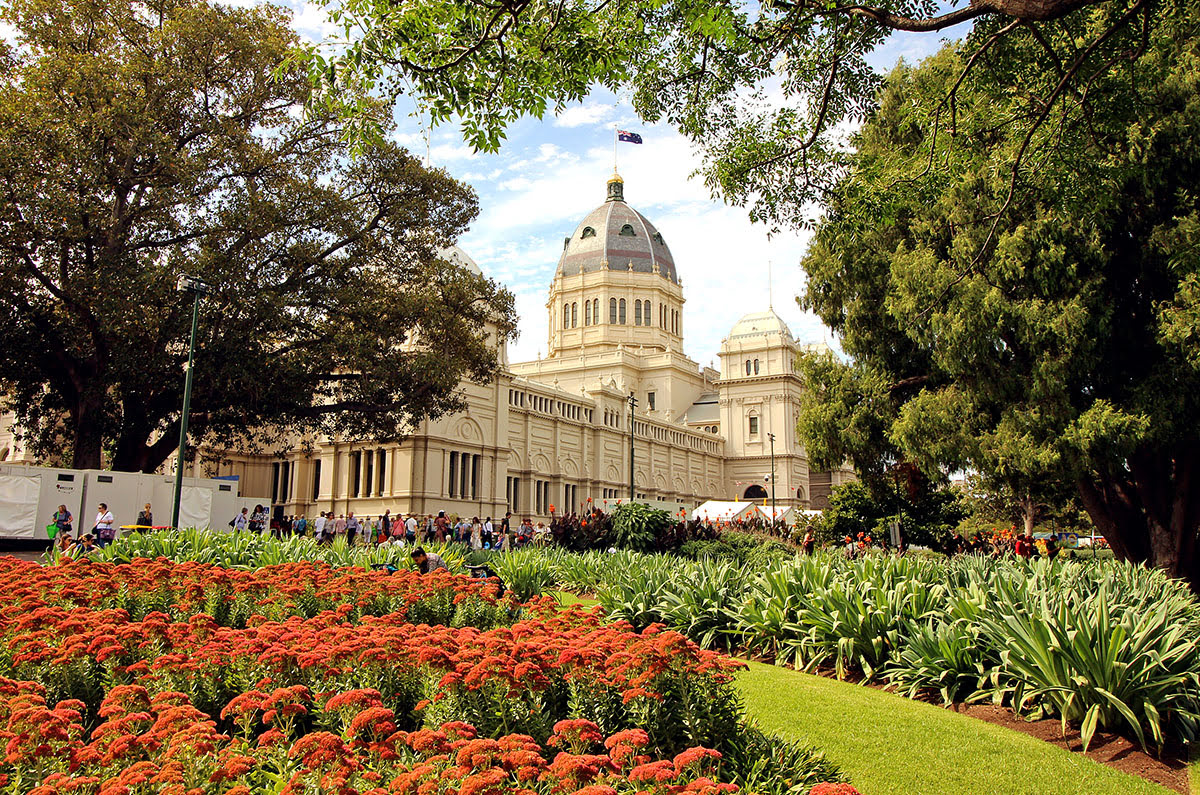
757 324
456 256
614 236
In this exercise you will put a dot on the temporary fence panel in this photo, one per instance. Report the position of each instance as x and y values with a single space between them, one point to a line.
120 491
224 504
55 487
19 506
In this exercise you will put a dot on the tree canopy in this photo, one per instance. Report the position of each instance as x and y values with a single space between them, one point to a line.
1038 334
766 90
141 139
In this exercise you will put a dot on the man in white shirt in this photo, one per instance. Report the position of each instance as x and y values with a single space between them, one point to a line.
410 529
319 526
104 526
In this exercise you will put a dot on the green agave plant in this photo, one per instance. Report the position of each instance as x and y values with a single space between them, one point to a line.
1093 661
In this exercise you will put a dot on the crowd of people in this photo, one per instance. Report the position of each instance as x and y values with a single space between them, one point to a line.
410 529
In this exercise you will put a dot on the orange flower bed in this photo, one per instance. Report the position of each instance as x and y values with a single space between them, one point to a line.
120 680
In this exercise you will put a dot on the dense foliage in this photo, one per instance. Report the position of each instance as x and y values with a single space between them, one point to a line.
142 139
765 90
926 515
162 677
1013 322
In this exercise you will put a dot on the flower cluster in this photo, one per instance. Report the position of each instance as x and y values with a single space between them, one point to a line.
231 597
160 743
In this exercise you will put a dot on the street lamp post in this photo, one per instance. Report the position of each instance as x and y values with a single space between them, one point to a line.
632 403
197 288
774 516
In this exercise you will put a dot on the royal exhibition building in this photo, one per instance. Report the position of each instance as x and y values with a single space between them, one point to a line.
556 431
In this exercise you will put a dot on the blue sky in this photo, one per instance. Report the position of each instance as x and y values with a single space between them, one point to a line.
550 173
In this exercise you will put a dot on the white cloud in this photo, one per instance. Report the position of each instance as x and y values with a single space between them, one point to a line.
312 21
586 114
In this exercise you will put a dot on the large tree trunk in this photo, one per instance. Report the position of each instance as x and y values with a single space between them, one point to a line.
1149 512
87 419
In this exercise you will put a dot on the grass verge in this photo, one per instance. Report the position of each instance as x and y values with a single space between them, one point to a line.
887 744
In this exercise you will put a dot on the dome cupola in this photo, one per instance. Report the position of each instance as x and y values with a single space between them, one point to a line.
614 236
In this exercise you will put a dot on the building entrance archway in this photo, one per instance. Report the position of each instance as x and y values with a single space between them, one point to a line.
755 492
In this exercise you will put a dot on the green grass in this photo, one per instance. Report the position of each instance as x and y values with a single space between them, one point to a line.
1194 771
887 744
566 599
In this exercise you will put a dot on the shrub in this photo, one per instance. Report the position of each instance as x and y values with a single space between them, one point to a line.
637 526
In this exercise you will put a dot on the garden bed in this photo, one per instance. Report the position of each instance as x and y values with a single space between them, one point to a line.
151 677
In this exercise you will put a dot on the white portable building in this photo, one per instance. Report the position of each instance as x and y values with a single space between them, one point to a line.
30 495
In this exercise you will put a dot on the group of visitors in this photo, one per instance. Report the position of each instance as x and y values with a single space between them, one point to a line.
997 545
62 531
403 529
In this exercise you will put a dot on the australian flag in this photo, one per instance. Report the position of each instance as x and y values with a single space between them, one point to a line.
628 137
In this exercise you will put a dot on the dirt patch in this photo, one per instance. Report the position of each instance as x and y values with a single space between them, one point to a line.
1170 770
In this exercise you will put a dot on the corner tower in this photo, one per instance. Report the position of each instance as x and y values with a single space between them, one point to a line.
615 285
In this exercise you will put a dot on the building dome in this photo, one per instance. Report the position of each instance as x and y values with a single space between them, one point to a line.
614 236
758 324
456 256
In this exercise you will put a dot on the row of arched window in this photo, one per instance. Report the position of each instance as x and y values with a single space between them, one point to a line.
643 314
748 361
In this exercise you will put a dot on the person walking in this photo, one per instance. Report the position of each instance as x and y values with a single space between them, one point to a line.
241 522
319 526
476 534
258 519
339 525
104 530
410 529
352 528
488 531
299 526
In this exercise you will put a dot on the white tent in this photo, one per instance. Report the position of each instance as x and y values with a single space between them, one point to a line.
722 511
783 513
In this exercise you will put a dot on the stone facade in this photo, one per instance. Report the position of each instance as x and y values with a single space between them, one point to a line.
556 431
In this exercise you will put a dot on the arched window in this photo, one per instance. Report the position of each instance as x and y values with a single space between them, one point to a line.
588 232
756 366
755 492
747 367
612 311
566 315
627 231
621 313
574 314
637 313
587 313
596 311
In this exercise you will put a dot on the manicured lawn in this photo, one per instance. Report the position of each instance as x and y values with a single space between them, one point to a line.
887 744
566 599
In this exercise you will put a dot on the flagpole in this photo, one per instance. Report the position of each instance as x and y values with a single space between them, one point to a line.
614 149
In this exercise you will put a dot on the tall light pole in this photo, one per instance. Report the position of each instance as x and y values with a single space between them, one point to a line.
197 288
632 403
771 436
